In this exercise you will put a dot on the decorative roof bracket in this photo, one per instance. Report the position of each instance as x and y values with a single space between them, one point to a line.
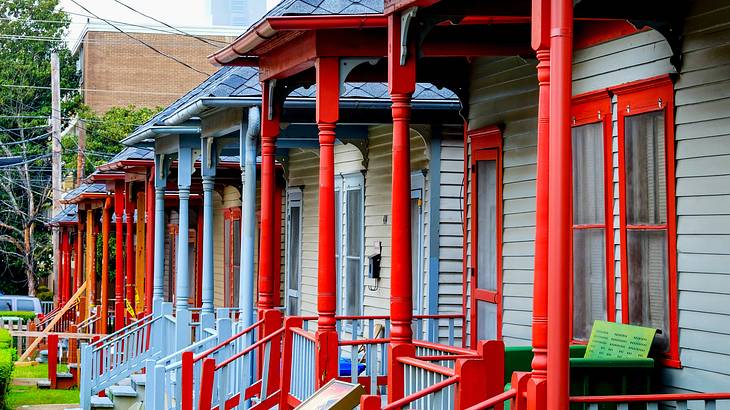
405 19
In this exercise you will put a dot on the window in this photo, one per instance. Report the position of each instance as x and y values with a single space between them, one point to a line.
648 228
349 227
24 305
6 304
592 233
232 255
294 247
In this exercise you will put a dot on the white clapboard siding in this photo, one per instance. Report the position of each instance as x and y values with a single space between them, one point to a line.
451 237
702 99
378 213
504 91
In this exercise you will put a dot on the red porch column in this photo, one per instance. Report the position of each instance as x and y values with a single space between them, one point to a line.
561 42
129 246
105 227
536 386
273 319
328 96
149 241
79 268
119 256
401 83
269 133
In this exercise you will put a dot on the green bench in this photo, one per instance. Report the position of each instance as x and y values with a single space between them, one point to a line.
615 361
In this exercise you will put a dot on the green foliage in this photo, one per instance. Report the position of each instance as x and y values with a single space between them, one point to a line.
20 314
36 371
25 105
5 339
7 361
103 133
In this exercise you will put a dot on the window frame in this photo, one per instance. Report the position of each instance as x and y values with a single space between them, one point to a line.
230 216
594 108
483 142
343 183
641 97
294 194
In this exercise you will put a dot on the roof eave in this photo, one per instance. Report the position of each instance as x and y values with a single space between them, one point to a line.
245 45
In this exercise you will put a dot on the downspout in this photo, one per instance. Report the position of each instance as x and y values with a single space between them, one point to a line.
248 147
559 176
434 215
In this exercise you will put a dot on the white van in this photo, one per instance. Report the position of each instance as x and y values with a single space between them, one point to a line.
20 304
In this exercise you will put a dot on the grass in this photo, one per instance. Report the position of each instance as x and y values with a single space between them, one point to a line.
30 395
39 371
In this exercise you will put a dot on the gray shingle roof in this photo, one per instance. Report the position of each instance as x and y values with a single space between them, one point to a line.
133 153
337 7
84 189
234 81
69 214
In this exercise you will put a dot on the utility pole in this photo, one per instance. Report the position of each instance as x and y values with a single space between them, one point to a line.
55 164
80 159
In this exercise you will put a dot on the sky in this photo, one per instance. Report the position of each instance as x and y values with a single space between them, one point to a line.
178 13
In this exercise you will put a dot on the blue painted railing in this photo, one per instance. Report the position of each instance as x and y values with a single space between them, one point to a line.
122 353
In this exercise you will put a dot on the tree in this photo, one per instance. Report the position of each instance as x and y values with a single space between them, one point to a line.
30 30
103 134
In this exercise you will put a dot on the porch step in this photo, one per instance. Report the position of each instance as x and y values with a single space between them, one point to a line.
139 382
124 397
101 403
43 384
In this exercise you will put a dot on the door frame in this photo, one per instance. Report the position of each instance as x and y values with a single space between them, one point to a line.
418 183
485 144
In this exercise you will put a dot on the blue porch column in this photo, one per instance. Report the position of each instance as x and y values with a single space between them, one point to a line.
209 161
249 134
182 279
162 164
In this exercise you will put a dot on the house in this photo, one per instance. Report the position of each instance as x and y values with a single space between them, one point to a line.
592 161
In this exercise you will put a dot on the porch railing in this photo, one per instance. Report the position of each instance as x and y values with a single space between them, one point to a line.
46 306
303 345
420 377
167 383
681 401
118 355
225 380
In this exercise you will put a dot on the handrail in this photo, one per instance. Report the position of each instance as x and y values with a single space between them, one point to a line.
444 348
445 357
493 401
431 367
303 333
191 347
422 393
112 337
249 349
363 342
228 341
637 398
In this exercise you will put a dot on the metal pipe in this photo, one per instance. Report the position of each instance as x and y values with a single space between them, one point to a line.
248 216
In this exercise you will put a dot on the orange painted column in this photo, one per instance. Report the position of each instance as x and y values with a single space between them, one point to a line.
90 256
561 55
401 84
105 227
328 94
537 385
149 241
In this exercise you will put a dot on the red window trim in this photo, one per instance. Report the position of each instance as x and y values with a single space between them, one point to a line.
638 98
592 108
484 142
229 216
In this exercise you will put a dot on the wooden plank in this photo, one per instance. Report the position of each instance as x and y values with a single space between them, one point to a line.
61 335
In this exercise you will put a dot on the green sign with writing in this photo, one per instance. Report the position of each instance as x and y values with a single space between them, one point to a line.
618 341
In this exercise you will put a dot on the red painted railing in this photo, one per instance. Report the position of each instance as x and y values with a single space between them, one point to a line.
652 401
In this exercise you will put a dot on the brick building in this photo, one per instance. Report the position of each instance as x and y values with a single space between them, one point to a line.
117 70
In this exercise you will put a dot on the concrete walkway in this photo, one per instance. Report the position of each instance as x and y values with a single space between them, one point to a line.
49 407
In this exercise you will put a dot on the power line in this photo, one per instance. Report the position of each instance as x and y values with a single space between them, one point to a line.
164 24
135 38
41 87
